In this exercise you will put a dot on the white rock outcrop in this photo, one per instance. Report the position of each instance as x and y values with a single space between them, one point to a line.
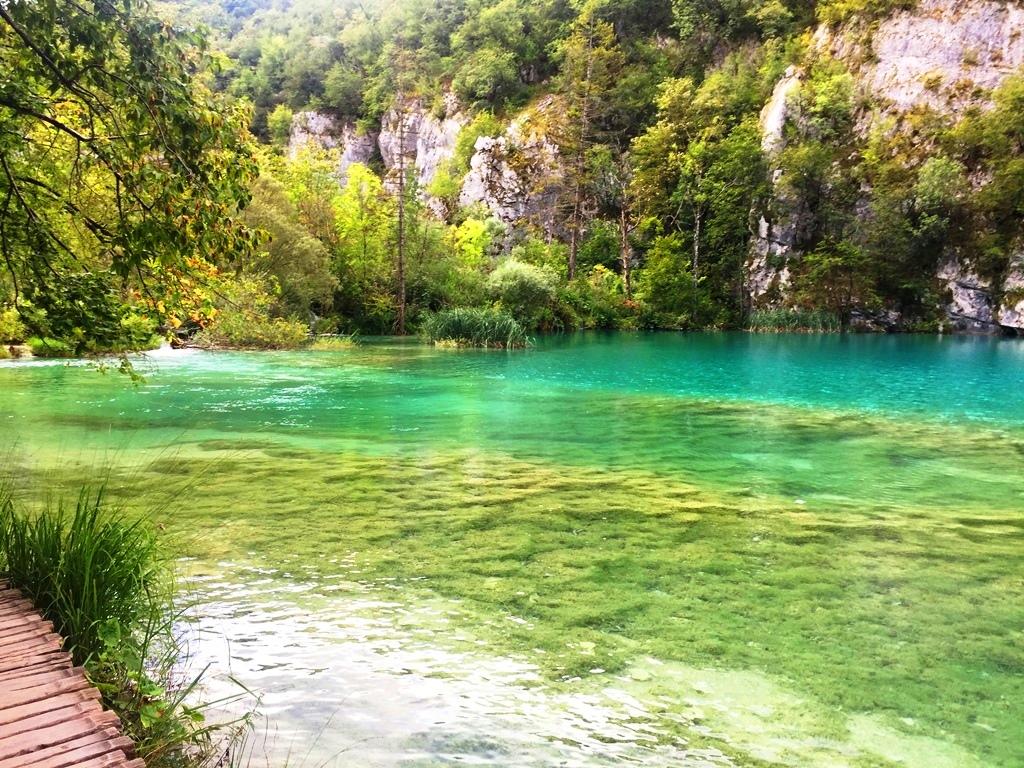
970 305
515 175
937 54
1011 308
426 143
324 131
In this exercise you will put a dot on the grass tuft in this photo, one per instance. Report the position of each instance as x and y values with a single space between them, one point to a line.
794 321
475 328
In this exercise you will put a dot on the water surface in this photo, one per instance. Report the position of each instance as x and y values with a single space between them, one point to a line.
709 549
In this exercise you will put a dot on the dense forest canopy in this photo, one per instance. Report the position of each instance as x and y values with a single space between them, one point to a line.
656 190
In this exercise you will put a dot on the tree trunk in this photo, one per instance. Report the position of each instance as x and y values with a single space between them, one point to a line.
400 290
696 256
625 252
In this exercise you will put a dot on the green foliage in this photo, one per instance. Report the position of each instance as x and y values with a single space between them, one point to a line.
90 216
299 262
49 347
475 328
665 284
838 11
85 571
244 321
598 300
279 125
11 327
523 290
836 277
794 320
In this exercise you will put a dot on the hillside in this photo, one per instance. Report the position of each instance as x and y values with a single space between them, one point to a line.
860 159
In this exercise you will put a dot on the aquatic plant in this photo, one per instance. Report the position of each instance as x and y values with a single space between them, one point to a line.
794 320
475 328
102 581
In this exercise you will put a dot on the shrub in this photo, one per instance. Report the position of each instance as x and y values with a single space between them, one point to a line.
476 328
238 329
11 327
794 320
523 290
50 347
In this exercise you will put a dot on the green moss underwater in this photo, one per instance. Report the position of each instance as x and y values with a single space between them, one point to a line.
848 582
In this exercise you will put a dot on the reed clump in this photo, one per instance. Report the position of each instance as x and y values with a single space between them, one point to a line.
794 321
473 327
102 580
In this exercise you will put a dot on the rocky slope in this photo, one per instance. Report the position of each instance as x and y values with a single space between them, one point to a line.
512 175
946 56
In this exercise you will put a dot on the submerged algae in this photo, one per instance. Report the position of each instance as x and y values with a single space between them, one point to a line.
866 564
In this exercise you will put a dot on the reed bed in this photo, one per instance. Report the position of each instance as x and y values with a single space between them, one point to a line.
475 328
794 321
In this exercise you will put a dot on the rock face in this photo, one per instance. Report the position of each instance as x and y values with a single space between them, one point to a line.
413 136
317 129
970 305
767 271
945 55
939 53
409 135
1011 308
515 175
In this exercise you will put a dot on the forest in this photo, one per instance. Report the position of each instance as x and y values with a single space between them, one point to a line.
151 181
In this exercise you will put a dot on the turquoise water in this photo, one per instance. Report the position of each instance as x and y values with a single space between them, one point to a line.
795 550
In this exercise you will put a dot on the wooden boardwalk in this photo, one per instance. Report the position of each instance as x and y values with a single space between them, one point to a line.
50 716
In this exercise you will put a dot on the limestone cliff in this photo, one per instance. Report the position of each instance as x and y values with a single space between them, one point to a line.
514 175
943 56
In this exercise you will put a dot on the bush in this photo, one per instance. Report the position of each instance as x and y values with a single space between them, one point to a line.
50 347
793 321
11 327
238 329
475 328
524 291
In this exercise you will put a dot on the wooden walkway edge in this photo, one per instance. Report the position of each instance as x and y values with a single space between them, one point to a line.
50 715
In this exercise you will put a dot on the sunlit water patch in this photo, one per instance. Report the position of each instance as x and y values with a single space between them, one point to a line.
722 548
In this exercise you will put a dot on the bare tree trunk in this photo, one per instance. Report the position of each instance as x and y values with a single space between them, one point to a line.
625 251
400 290
696 256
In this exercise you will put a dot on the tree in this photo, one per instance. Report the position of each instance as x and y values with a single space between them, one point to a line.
591 63
119 170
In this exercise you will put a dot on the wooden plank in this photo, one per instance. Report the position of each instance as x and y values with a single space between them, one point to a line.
31 647
29 620
50 716
39 675
39 692
88 713
65 733
13 714
16 606
70 753
108 760
24 634
47 656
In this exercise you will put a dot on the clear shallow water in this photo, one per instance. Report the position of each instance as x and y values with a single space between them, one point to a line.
792 549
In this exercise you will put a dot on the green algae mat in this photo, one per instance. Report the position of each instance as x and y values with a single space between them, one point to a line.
685 550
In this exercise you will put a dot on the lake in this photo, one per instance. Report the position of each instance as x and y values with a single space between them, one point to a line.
609 549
